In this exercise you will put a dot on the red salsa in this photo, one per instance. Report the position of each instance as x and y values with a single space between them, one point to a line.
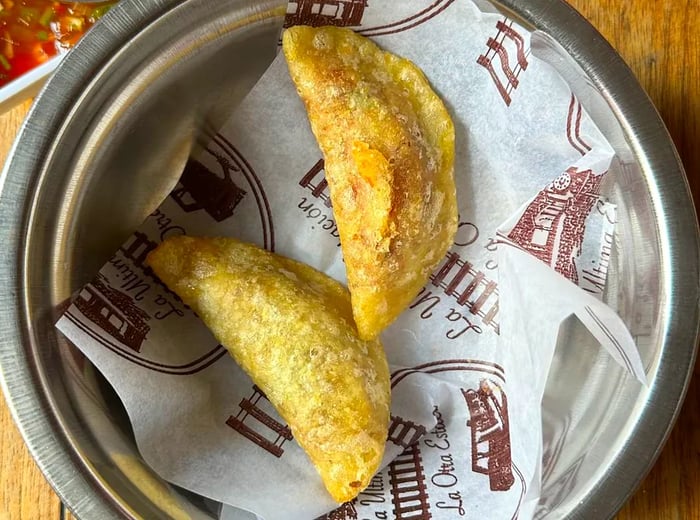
32 31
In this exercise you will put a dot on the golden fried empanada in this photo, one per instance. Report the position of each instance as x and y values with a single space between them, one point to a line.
291 329
388 144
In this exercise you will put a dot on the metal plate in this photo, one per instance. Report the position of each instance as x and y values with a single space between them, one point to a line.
124 108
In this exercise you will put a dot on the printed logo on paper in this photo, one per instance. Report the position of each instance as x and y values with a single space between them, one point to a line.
475 294
490 434
505 58
347 511
200 188
431 477
487 437
124 303
355 13
114 312
405 433
409 492
341 13
257 421
553 225
222 184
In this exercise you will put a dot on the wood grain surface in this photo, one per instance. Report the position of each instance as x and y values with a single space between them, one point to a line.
661 43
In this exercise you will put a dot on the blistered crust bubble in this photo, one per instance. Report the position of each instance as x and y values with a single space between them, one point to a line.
388 143
291 329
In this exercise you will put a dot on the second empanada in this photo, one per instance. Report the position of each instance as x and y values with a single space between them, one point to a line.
290 328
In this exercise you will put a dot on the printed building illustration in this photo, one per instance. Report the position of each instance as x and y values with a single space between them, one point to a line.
341 13
490 435
200 188
256 424
553 225
408 489
114 312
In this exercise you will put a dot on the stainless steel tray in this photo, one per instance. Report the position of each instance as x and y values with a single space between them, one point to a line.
124 108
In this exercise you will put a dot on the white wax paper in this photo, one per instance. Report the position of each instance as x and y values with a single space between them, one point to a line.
465 438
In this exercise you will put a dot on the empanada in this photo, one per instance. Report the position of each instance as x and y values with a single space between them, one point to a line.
291 329
388 143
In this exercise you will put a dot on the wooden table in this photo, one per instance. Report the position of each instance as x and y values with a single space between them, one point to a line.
661 42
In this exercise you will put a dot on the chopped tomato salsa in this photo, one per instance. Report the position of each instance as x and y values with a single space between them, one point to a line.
32 31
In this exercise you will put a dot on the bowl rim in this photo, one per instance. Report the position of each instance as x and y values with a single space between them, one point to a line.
21 375
679 234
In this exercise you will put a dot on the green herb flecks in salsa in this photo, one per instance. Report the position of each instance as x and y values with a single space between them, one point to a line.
32 31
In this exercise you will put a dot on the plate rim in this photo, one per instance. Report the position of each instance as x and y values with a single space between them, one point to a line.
621 89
